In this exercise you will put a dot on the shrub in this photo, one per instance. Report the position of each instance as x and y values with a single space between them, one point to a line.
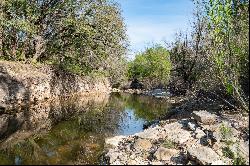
151 67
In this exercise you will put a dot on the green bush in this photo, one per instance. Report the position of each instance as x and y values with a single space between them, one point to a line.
151 67
228 26
81 36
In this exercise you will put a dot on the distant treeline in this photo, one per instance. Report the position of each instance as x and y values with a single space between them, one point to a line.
213 57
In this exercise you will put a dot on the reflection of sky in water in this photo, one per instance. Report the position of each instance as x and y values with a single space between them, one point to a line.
123 115
18 160
129 123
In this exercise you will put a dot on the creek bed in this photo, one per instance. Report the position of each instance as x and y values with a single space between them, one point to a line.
80 137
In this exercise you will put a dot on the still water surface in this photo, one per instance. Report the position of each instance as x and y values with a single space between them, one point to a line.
79 138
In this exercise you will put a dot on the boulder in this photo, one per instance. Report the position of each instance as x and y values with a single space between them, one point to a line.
114 141
4 122
204 117
142 144
150 133
175 133
199 134
202 154
165 153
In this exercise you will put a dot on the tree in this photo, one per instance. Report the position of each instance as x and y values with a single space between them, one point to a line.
81 36
151 67
187 52
229 40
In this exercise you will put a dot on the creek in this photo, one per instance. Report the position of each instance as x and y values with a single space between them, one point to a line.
78 137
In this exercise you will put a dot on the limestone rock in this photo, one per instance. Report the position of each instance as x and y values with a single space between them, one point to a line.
218 162
202 154
242 148
219 135
112 155
150 133
191 126
204 117
142 144
117 162
217 146
4 121
199 134
165 153
138 161
157 163
20 83
114 141
175 133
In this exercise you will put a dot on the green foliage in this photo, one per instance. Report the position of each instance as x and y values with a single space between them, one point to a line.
235 156
185 65
239 161
151 67
227 152
187 53
225 131
80 36
215 56
169 144
228 30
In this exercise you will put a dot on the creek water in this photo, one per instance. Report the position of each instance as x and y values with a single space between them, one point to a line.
79 137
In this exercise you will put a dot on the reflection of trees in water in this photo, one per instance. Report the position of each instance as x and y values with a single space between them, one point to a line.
104 120
47 114
100 121
79 138
145 107
64 142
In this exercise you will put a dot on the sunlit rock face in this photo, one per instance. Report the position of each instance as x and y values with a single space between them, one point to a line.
36 97
23 83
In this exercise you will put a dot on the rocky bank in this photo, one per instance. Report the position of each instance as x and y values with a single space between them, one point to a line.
203 138
32 96
26 83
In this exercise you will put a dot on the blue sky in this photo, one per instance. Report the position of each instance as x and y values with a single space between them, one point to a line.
154 21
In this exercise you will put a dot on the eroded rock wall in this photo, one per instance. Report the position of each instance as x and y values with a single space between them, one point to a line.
23 83
33 97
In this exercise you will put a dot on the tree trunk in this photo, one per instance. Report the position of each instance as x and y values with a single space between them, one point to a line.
39 48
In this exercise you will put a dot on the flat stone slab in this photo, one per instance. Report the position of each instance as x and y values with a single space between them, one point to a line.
199 134
204 117
114 141
165 153
202 154
150 133
142 144
175 133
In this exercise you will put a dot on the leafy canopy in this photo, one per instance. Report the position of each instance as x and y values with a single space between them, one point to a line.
151 67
